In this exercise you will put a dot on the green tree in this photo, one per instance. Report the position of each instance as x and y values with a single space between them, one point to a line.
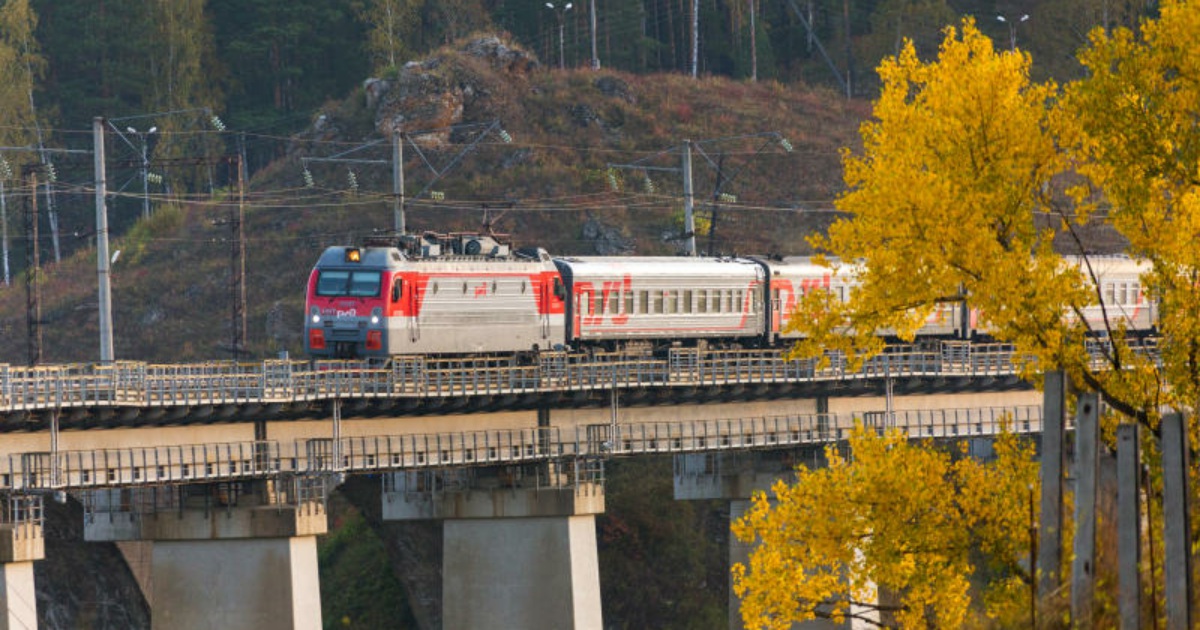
97 62
21 67
183 84
390 27
285 58
895 517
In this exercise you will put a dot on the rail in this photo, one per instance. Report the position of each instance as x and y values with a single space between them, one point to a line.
223 384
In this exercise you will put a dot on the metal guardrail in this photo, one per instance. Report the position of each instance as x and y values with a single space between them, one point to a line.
143 385
206 463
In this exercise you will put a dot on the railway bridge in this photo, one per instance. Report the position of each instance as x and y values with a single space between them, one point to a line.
223 469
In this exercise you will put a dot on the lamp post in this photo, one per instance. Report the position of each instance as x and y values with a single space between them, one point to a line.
1012 27
561 29
145 168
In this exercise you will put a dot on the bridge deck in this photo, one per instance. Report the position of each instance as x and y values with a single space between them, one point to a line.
153 386
204 463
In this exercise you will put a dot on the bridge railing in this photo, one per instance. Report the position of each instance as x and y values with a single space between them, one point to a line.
433 450
140 385
784 430
231 461
151 465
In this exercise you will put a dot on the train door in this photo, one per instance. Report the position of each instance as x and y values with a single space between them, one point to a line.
543 305
411 305
554 294
763 319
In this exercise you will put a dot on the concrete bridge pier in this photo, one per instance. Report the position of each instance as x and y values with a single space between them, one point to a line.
734 476
519 541
223 555
21 543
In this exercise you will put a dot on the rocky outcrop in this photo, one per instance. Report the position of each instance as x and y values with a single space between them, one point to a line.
435 93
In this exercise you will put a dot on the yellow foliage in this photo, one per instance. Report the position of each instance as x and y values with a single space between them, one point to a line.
898 516
969 170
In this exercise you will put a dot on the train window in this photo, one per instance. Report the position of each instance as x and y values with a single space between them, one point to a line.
336 282
670 301
702 301
644 302
658 302
598 304
332 282
365 283
1110 293
1121 294
397 289
613 303
687 302
628 302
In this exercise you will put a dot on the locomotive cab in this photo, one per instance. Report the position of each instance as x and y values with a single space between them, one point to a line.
347 302
433 295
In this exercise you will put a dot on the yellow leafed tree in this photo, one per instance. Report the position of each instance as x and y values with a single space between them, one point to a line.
899 517
973 180
971 183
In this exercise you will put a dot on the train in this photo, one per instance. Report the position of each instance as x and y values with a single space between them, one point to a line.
467 294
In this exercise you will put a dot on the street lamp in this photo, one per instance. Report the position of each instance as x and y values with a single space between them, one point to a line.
561 29
145 168
1012 28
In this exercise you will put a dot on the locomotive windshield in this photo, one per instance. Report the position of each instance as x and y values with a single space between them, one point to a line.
343 282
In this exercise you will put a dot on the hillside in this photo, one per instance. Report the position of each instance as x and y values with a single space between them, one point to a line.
550 187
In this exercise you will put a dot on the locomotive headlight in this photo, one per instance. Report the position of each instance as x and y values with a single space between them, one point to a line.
315 315
376 315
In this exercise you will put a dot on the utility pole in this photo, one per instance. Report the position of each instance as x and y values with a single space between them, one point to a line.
712 223
102 261
238 270
4 225
685 169
398 181
689 221
33 309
